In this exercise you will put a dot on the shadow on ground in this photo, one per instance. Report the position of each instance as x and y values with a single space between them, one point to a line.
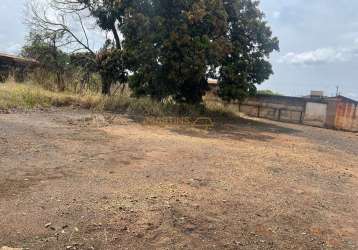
237 128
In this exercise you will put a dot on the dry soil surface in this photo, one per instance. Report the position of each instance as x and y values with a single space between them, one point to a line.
73 180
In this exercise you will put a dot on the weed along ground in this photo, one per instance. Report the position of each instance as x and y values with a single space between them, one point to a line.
74 179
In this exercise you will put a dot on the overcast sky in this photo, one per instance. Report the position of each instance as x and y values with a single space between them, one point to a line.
318 40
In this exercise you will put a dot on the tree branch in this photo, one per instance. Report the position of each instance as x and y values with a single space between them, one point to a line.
44 25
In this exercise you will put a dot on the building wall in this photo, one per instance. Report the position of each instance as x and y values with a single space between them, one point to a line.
346 116
251 110
331 113
335 113
279 108
315 114
269 113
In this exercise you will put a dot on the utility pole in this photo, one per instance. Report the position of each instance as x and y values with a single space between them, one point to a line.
337 91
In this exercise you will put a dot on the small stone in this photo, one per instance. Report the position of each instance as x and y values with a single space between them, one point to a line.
48 225
238 243
139 235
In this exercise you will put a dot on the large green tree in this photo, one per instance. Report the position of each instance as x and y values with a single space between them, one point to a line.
176 45
172 46
246 64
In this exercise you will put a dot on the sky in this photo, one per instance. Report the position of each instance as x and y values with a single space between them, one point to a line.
318 43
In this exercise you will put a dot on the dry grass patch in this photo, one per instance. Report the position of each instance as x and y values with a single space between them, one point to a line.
29 96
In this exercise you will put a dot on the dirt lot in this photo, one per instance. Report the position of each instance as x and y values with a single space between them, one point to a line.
72 180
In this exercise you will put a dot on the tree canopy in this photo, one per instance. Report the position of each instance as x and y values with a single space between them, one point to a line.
246 64
176 45
173 46
170 48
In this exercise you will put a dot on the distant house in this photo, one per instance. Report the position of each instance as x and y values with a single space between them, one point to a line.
315 109
15 60
10 63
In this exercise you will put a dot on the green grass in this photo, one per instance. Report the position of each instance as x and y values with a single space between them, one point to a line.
28 96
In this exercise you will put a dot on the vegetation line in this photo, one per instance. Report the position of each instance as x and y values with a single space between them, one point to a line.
31 96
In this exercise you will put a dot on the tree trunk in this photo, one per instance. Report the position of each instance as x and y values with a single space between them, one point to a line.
106 85
60 82
116 37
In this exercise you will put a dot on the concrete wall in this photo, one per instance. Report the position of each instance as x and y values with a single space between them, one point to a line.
337 113
315 114
279 108
251 110
278 102
269 113
346 116
331 114
291 116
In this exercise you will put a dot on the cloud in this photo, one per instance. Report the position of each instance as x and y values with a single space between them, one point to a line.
276 14
321 56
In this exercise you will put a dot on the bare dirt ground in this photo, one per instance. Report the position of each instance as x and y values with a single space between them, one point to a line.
67 182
